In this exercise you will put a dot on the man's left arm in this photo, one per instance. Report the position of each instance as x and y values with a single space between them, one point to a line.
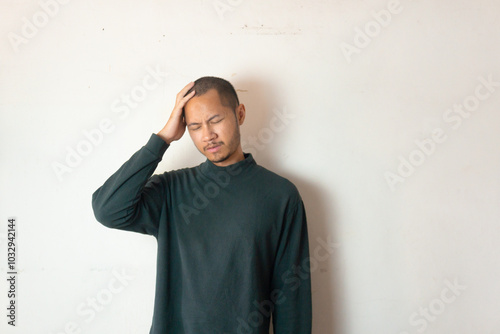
291 283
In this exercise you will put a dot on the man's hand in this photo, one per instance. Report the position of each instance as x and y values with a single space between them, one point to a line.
175 127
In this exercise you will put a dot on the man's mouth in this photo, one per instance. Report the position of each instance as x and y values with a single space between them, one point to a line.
213 148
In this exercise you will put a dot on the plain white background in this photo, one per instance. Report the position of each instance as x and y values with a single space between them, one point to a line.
390 135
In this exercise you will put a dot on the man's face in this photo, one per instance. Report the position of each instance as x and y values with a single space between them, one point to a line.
214 128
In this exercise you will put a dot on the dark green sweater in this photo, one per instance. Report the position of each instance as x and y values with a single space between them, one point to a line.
232 243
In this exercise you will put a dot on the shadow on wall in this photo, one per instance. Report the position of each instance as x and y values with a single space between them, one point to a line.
262 105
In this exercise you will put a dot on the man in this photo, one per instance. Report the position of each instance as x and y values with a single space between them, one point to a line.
232 236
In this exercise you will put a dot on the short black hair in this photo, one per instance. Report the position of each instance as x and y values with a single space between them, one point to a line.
227 93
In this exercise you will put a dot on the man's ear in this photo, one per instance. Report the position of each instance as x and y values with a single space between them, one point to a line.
240 113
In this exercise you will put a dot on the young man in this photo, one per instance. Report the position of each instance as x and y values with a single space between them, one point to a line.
232 236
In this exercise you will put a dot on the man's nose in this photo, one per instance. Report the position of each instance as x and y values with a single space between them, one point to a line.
208 133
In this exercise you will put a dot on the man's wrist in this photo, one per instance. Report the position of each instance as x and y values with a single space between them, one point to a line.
156 144
165 138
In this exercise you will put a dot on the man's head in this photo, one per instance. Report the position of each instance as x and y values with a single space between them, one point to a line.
213 116
227 93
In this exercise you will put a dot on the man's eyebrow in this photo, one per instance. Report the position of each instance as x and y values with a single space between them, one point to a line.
211 118
193 123
214 116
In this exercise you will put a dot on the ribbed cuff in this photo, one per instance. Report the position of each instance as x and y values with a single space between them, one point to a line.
156 145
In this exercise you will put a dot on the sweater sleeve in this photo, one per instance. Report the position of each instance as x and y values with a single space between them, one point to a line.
291 283
131 199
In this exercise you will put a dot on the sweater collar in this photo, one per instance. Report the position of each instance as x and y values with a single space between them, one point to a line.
238 168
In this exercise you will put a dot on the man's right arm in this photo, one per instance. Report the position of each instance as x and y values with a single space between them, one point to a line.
131 199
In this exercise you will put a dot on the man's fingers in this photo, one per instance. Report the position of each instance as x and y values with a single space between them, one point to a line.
184 100
188 97
185 90
180 104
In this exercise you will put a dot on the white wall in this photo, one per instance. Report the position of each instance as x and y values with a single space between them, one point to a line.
356 114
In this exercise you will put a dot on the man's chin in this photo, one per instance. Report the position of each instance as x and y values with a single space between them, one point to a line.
215 158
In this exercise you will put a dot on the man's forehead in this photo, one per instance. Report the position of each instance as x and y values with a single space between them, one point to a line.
205 106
